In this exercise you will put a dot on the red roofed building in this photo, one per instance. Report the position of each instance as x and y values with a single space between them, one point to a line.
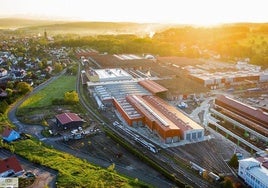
169 123
131 116
153 87
243 113
69 120
263 161
10 167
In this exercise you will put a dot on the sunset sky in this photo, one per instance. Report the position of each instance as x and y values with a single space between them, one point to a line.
200 12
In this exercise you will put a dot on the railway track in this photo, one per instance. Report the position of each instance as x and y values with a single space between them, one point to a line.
167 163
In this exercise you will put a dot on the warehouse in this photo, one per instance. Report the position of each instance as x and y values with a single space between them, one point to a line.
152 86
217 75
247 115
107 75
107 93
68 120
170 124
221 79
128 112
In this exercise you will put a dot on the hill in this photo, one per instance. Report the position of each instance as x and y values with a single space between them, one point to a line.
16 23
82 28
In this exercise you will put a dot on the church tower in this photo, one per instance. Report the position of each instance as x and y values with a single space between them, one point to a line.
45 34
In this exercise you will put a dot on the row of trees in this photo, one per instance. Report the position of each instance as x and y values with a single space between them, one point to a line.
14 90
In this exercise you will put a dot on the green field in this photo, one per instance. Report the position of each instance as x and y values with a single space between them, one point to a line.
73 172
54 90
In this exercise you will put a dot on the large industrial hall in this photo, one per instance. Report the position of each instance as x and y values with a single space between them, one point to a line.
251 117
140 103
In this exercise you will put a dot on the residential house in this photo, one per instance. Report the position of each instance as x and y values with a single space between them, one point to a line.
3 72
18 74
10 135
10 167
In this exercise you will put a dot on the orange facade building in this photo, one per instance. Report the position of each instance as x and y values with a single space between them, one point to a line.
170 124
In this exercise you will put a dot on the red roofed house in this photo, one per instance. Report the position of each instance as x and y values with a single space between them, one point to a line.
10 167
69 120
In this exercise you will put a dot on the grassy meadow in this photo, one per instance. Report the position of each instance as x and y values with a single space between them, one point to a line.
54 90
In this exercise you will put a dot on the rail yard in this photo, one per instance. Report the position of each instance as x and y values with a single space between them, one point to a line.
187 162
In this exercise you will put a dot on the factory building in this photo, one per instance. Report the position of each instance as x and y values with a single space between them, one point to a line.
217 75
253 118
221 79
254 172
111 93
165 120
68 120
139 104
102 96
154 87
128 112
105 75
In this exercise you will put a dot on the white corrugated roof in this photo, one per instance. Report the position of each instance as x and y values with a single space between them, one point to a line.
254 167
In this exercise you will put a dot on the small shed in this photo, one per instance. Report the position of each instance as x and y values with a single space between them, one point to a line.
69 120
10 135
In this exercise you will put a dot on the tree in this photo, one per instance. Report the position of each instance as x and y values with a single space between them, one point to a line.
111 167
4 106
58 67
12 149
41 65
234 161
23 87
9 92
72 70
227 183
10 84
71 97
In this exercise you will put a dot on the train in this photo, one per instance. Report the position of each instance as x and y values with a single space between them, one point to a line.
197 167
214 176
147 145
137 138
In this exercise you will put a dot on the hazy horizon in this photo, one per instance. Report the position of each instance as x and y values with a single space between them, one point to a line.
205 12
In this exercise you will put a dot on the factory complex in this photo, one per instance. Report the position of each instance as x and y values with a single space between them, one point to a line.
219 75
139 102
